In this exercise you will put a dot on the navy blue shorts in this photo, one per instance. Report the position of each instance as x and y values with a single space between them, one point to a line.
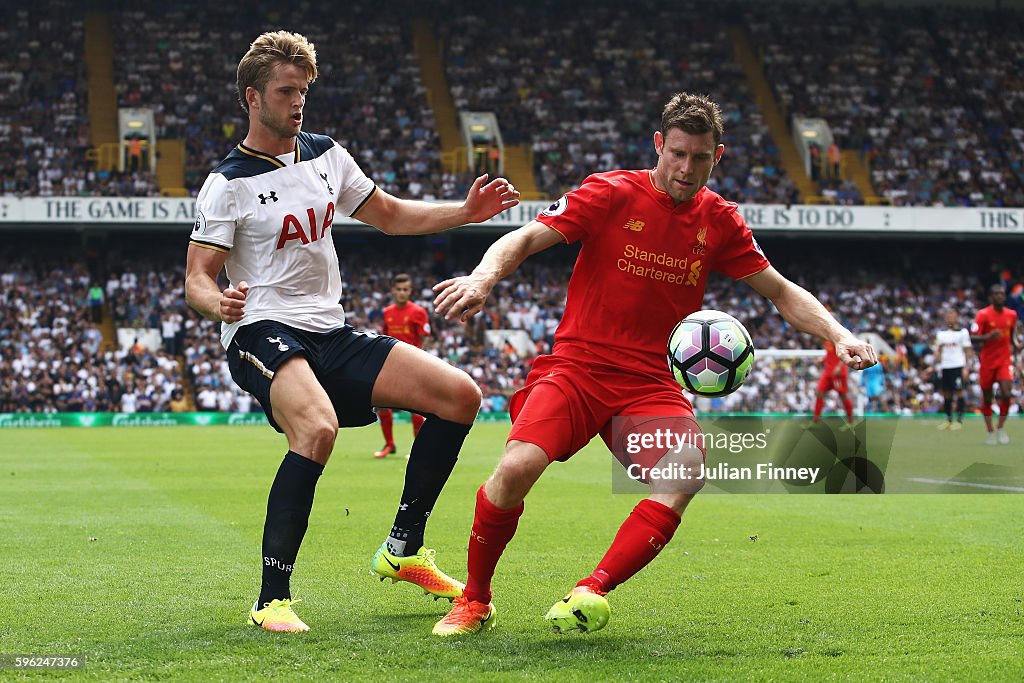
952 379
345 362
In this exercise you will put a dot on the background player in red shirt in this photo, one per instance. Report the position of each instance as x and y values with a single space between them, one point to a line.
407 322
649 239
834 376
995 325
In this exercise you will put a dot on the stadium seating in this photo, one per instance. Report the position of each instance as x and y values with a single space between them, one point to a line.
585 88
934 112
51 355
369 96
44 123
46 340
935 108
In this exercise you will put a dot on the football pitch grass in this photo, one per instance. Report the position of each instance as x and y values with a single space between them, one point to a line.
138 548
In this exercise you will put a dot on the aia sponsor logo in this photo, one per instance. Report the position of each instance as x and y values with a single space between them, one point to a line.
293 229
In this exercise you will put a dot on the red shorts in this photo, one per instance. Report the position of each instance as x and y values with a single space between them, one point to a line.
565 403
829 381
989 375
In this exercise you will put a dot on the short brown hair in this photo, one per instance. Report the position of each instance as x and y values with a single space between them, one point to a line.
401 279
693 114
266 52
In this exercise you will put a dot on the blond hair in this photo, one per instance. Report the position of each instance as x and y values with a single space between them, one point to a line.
266 52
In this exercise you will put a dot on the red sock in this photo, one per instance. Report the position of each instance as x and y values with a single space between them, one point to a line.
1004 411
417 422
986 409
848 407
387 422
493 528
641 537
819 403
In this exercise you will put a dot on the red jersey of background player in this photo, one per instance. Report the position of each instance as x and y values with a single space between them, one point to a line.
835 372
643 266
409 323
995 352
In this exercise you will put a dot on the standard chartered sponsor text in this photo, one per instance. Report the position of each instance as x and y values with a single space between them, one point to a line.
635 262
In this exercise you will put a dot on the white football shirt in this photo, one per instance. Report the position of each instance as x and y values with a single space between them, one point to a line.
273 216
951 345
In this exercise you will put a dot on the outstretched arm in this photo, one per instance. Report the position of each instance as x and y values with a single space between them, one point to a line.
460 298
804 312
396 216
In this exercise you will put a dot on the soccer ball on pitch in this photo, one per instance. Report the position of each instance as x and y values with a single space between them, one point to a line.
710 353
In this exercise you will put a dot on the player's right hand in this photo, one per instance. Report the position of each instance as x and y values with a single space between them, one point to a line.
856 354
460 298
232 302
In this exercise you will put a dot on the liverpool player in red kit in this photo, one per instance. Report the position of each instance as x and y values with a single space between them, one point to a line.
833 377
649 239
995 325
407 322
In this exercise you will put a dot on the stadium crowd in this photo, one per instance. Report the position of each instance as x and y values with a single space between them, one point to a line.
44 118
935 112
584 89
52 357
369 95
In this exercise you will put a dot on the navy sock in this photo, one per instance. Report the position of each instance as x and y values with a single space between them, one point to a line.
288 508
431 462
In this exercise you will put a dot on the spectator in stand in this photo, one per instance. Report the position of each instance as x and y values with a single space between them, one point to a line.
177 404
96 303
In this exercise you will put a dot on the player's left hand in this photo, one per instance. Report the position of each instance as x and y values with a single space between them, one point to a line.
856 354
486 201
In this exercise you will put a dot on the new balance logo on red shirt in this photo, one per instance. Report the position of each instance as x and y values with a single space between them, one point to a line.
634 224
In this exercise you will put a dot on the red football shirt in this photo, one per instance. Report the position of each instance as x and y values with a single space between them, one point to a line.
408 323
996 351
832 360
643 266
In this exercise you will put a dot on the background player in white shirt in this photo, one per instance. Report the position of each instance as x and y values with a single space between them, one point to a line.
953 346
264 217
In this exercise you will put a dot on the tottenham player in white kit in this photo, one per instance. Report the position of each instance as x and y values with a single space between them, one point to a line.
264 217
954 347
